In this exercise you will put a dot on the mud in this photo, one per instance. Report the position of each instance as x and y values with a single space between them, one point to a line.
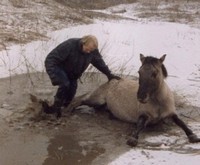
85 137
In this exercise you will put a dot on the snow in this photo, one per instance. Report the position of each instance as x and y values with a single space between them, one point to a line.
144 157
121 42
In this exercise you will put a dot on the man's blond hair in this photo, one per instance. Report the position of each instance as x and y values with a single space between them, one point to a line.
88 39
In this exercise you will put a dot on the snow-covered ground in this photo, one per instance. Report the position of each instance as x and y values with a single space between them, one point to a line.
146 157
121 42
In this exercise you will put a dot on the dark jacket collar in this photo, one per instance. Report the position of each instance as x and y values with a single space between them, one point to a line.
80 46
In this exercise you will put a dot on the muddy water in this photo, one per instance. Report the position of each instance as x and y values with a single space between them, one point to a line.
23 148
67 150
84 138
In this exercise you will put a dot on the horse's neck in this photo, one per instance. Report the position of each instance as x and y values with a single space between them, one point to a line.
162 93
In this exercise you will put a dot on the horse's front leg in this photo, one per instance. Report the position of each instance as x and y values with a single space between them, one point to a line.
141 123
191 136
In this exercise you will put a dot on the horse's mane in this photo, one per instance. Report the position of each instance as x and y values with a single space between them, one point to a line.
154 61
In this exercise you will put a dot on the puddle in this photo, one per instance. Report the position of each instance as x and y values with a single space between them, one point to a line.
67 150
23 148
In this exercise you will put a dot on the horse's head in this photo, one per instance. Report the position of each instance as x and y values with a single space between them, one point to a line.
151 75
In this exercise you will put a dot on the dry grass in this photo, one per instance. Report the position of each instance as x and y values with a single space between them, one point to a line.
22 24
93 4
19 3
181 11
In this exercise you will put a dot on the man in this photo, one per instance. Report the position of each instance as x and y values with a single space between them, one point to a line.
65 65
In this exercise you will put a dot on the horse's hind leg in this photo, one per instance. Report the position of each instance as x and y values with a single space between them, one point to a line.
91 103
86 99
191 136
141 123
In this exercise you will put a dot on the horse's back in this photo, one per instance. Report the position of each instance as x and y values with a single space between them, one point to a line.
121 99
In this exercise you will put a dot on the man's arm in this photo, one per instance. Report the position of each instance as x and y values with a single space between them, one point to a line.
99 63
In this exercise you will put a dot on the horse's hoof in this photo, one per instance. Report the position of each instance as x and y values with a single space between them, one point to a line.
193 138
132 142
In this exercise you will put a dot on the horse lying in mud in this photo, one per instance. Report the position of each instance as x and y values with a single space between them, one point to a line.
143 103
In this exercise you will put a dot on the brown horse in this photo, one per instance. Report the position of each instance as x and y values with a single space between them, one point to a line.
143 103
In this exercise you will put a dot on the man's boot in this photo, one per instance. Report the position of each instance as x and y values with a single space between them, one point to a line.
57 107
66 103
46 108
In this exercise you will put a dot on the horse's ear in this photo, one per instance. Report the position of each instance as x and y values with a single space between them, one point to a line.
142 57
162 58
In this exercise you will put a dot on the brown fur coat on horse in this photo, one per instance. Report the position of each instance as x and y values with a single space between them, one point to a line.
147 101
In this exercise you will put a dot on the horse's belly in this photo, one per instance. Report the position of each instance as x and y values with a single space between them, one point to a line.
124 114
122 101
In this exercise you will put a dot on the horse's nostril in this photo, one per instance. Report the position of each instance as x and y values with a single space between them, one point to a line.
142 100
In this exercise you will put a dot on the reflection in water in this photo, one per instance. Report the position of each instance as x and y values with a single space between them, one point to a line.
66 150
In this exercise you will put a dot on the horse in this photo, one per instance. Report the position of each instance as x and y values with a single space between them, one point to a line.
145 101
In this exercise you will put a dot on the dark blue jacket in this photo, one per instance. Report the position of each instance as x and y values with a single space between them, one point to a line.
69 57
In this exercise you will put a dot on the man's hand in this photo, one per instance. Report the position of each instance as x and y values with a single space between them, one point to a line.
112 76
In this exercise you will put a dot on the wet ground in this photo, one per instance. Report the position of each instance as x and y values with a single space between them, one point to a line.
85 137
